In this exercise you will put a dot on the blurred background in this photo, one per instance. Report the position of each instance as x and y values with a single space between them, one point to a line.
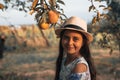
30 52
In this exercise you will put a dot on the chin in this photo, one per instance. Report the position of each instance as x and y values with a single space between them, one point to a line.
70 52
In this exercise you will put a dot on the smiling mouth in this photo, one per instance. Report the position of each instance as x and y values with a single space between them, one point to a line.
70 48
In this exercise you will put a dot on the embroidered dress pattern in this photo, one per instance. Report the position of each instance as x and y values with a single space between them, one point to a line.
66 74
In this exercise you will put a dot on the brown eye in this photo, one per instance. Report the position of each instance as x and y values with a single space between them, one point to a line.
75 38
65 37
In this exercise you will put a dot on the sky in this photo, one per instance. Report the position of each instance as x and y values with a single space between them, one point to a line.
71 8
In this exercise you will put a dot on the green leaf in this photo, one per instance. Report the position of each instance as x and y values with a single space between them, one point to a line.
90 8
61 2
102 6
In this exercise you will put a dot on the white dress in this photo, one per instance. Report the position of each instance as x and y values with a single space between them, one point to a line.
65 73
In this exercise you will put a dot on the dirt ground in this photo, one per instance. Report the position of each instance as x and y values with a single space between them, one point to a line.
40 65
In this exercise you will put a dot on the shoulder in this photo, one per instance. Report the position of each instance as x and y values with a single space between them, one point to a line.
79 68
81 65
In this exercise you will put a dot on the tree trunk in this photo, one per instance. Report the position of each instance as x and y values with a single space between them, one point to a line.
48 44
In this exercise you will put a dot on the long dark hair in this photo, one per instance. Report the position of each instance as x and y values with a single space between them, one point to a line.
84 51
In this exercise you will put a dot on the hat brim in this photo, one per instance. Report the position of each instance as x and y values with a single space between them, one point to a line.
87 34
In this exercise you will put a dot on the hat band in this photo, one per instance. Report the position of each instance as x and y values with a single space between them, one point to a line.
74 27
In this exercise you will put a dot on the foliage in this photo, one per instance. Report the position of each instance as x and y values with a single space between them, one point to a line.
43 9
108 25
98 15
109 22
20 5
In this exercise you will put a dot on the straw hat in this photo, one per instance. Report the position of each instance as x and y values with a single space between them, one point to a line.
77 24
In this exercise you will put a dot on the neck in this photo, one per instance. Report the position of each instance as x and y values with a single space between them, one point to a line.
71 57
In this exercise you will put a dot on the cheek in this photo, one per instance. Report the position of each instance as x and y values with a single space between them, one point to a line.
63 43
79 44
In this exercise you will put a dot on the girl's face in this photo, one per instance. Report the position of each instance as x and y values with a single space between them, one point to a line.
72 41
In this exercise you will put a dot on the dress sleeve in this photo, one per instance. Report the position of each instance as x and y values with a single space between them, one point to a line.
78 76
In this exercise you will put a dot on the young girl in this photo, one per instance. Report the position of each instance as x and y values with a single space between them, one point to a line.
74 61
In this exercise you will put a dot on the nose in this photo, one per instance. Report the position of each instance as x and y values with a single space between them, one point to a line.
70 42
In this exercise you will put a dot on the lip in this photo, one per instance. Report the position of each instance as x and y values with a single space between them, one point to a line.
69 48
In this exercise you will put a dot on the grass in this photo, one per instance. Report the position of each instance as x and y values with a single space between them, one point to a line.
40 65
